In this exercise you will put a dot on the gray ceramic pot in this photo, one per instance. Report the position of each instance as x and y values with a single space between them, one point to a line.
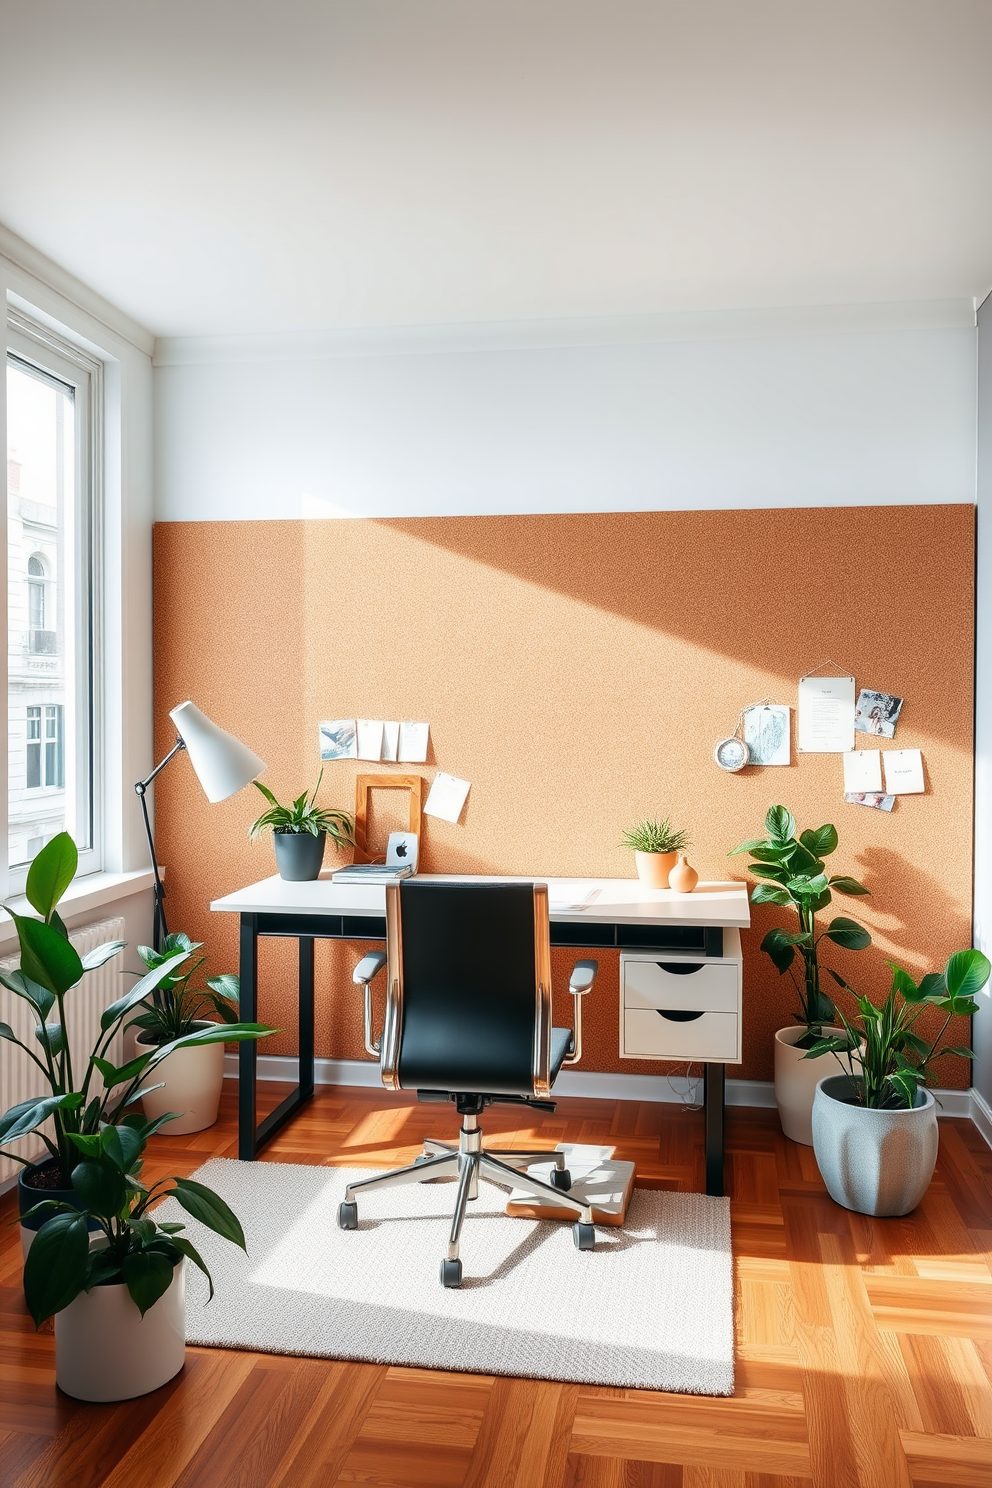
299 854
875 1162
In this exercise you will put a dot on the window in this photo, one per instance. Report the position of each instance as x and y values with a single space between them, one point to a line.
45 750
53 393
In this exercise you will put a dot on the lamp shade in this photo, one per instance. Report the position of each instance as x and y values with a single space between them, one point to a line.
222 763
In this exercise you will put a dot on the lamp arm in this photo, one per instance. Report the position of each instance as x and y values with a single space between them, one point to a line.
159 927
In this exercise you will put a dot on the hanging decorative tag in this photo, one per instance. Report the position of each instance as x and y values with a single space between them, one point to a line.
767 733
732 754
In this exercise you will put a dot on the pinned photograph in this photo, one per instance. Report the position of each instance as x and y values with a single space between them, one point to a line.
870 798
876 713
766 734
338 739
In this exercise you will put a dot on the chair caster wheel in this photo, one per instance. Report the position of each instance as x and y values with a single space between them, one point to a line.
584 1236
347 1216
561 1178
451 1273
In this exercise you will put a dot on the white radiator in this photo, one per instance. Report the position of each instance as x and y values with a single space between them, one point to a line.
19 1078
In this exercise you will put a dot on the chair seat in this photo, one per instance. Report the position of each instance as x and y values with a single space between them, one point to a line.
560 1040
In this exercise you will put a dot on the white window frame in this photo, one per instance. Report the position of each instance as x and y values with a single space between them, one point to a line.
50 354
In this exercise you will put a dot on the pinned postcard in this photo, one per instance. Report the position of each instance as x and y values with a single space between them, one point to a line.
766 734
862 770
876 713
413 743
871 798
338 739
826 715
446 797
369 738
390 741
903 772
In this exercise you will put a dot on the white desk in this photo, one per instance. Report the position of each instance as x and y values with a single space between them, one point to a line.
590 913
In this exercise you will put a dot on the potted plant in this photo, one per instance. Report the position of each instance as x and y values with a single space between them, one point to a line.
656 846
192 1076
875 1126
118 1303
79 1101
300 832
793 875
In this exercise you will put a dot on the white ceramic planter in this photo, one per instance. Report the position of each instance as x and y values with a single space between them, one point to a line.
194 1079
796 1079
105 1349
874 1162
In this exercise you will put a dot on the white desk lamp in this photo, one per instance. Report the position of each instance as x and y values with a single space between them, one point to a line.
222 764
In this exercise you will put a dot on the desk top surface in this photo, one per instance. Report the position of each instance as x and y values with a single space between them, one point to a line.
622 901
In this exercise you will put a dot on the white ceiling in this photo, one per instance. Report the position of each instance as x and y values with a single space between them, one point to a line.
246 166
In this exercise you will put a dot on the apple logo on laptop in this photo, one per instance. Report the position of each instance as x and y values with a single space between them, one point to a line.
401 850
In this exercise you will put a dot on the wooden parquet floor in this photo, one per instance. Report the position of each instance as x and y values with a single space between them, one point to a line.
864 1348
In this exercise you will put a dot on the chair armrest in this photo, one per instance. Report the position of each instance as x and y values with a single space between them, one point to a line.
362 976
579 983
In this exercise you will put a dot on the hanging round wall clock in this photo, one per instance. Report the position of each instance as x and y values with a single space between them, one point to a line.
732 754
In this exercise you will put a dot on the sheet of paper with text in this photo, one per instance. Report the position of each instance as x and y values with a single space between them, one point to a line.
826 715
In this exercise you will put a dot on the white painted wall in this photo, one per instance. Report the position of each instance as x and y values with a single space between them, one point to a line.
982 1031
782 417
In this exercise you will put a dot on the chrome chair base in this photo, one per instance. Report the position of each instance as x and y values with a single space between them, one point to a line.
468 1162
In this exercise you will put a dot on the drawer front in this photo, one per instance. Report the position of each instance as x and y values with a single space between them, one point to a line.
695 986
647 1034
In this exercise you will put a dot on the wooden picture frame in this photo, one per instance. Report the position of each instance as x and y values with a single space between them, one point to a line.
364 784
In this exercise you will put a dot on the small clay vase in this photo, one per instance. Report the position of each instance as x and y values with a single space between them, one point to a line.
683 878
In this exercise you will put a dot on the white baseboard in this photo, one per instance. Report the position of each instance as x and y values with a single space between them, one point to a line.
760 1093
981 1115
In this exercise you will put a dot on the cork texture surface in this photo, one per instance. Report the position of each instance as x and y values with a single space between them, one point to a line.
578 670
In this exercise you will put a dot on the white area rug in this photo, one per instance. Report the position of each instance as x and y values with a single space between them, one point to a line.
650 1307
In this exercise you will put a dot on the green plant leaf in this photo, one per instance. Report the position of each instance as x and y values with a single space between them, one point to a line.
99 1185
747 847
56 1265
52 871
210 1209
101 954
265 792
139 991
960 1051
845 885
86 1143
28 1115
847 933
123 1145
217 1033
765 893
39 997
114 1076
905 1083
45 956
802 864
766 870
966 973
778 945
820 841
189 1250
903 983
51 1036
147 1275
780 824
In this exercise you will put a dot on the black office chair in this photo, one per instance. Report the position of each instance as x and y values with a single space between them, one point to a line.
468 1020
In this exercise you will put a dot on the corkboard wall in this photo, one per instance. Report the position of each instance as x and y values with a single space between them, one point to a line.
577 670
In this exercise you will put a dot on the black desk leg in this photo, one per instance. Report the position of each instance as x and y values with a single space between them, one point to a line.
253 1135
714 1080
247 1051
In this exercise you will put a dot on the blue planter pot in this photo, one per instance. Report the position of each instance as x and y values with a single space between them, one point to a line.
27 1197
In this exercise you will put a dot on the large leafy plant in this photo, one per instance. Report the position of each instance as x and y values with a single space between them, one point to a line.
173 1008
80 1101
136 1249
304 815
793 874
887 1060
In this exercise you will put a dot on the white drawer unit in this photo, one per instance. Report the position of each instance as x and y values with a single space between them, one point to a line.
680 1005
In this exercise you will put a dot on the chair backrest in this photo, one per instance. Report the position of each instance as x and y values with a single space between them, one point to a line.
468 1003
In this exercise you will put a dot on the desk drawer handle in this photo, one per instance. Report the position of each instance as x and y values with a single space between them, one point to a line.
680 968
678 1015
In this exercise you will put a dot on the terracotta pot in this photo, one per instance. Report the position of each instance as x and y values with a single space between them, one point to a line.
105 1349
796 1079
193 1081
683 878
653 868
874 1162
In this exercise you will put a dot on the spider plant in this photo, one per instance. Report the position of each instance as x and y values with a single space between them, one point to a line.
304 815
649 836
